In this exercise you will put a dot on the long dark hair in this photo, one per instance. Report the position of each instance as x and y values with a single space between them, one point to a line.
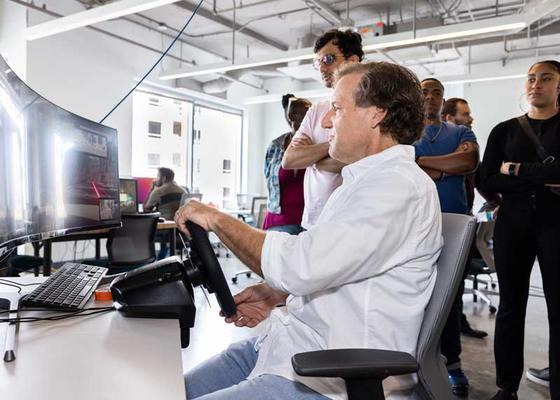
554 64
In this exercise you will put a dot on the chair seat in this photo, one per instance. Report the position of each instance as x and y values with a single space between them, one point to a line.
20 263
478 267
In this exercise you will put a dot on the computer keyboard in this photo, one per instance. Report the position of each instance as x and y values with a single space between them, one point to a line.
70 287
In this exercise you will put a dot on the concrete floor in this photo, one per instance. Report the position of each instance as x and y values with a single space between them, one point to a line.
210 335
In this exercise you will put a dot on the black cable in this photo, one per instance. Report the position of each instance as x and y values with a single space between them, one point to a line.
79 313
20 284
12 285
156 63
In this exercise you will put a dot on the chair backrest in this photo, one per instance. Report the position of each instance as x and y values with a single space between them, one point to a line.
261 215
484 242
458 234
133 243
256 205
187 196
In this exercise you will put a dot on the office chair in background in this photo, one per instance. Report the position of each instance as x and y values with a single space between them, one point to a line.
130 246
258 212
364 370
483 264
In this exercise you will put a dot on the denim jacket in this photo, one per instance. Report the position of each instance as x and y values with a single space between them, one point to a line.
272 164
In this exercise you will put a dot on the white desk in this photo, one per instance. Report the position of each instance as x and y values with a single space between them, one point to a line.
104 356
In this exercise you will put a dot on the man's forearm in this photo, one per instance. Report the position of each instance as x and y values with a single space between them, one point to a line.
330 165
460 163
244 241
299 157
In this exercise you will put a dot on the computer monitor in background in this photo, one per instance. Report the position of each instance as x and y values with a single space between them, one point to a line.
58 171
128 195
144 187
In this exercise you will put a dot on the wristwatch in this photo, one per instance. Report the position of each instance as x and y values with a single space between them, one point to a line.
511 168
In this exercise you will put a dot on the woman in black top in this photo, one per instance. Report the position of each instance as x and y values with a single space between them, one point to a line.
527 226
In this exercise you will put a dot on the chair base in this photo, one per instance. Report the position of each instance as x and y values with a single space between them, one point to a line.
362 389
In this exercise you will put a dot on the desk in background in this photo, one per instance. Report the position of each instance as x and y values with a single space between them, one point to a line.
100 357
96 235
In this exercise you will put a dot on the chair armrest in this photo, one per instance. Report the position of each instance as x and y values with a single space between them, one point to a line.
354 363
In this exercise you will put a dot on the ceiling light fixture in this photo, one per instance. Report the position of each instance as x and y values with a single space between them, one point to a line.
467 29
92 16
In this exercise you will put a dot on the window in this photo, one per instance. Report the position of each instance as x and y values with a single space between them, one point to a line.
177 127
154 129
217 142
153 160
176 159
167 142
227 166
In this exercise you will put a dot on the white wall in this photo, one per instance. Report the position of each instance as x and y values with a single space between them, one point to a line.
12 45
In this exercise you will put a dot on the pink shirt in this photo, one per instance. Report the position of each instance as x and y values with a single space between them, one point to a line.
317 185
291 199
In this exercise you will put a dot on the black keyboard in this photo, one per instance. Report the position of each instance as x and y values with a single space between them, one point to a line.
70 287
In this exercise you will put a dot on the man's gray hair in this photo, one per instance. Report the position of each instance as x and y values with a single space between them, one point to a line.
395 89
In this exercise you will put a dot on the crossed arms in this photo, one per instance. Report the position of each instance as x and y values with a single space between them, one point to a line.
462 161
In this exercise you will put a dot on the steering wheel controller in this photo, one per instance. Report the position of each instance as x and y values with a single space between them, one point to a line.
164 288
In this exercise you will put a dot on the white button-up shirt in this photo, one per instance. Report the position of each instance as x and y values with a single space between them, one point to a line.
362 277
317 185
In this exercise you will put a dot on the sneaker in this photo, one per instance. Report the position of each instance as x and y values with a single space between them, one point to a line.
467 329
503 395
459 382
539 376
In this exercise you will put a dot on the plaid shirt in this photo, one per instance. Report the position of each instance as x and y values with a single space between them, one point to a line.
272 164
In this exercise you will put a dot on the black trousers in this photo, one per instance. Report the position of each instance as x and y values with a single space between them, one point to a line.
522 232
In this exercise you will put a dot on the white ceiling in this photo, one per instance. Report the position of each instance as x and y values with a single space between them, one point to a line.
279 25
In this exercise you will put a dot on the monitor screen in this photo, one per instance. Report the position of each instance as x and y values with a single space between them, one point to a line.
128 196
58 171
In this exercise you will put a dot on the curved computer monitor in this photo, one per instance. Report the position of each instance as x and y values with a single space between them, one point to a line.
58 171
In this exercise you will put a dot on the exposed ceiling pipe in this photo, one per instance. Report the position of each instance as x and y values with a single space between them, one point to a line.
54 14
202 12
241 6
159 24
331 15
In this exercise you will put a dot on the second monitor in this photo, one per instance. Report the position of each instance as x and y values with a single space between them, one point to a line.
128 195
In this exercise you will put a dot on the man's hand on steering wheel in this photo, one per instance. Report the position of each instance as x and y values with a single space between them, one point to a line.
197 212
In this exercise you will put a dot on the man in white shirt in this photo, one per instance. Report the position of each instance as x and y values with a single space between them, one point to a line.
310 147
361 277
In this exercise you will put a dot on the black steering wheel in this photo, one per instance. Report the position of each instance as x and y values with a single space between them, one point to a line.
204 269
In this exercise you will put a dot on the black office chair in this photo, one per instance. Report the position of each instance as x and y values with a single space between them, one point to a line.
132 245
21 263
364 370
482 263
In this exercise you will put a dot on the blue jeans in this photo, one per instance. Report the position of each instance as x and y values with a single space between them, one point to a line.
291 229
223 377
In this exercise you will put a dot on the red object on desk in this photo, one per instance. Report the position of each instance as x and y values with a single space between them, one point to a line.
144 186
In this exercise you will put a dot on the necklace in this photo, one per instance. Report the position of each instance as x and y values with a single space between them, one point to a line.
434 138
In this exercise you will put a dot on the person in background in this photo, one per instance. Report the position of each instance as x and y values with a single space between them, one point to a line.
456 111
448 152
285 187
309 148
165 197
527 225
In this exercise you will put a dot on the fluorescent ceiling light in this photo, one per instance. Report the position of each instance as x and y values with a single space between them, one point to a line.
500 24
483 79
92 16
446 36
318 93
277 97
